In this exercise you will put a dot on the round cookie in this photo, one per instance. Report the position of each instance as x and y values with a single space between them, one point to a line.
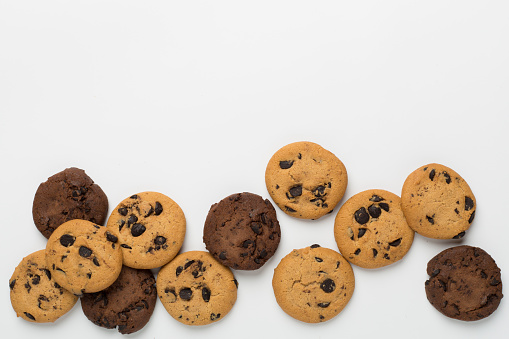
242 231
305 180
464 283
83 257
128 304
437 202
196 289
68 195
313 284
150 228
371 230
35 296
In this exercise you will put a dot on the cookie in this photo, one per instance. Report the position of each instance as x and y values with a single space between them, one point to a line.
83 257
150 228
371 230
35 296
196 289
464 283
313 284
128 304
437 202
305 180
242 231
68 195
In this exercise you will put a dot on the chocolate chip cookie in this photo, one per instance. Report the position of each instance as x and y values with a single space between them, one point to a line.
305 180
35 296
242 231
196 289
371 230
83 257
70 194
128 304
464 283
150 228
313 284
437 202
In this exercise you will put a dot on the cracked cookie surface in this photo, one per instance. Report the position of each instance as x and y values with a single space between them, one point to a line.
464 283
83 257
196 289
150 228
242 231
127 304
371 230
70 194
313 284
305 180
437 202
35 296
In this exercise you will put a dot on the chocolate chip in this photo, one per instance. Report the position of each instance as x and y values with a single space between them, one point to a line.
323 305
328 285
296 191
29 316
299 156
459 235
28 286
110 237
159 240
376 198
318 259
263 253
430 220
469 203
48 273
246 243
289 209
205 293
137 230
36 279
132 219
96 262
361 216
384 206
386 256
159 208
395 243
375 253
214 316
122 211
189 263
357 251
319 191
471 217
286 164
89 275
222 255
122 223
186 294
432 174
494 281
256 227
258 261
362 231
179 270
67 240
85 252
435 272
134 196
315 246
236 282
126 246
447 177
374 211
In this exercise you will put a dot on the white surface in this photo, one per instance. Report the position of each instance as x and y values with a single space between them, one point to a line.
192 98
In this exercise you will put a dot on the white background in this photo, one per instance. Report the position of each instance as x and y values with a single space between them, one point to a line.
192 98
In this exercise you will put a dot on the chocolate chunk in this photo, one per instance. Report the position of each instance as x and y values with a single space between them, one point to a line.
384 206
471 217
189 263
159 240
137 230
459 235
323 305
214 316
222 255
357 251
374 211
111 237
469 203
36 279
376 198
430 220
315 246
132 219
29 316
361 216
205 293
85 252
246 243
47 272
159 208
447 177
122 223
256 227
96 262
432 174
134 196
289 209
318 259
126 246
67 240
395 243
328 285
296 191
375 253
179 270
286 164
186 294
362 231
122 211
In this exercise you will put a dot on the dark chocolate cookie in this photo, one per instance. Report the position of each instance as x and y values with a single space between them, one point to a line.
70 194
128 304
242 231
464 283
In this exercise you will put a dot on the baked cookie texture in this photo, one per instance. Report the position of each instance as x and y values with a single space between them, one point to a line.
127 305
242 231
70 194
35 296
196 289
371 230
83 257
150 228
313 284
464 283
305 180
437 202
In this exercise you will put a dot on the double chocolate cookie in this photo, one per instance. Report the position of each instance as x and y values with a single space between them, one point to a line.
128 304
35 296
196 289
464 283
83 257
313 284
242 231
437 202
70 194
371 230
305 180
150 228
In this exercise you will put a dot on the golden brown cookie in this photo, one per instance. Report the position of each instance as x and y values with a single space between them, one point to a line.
35 296
196 289
313 284
305 180
83 257
437 202
150 228
371 230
